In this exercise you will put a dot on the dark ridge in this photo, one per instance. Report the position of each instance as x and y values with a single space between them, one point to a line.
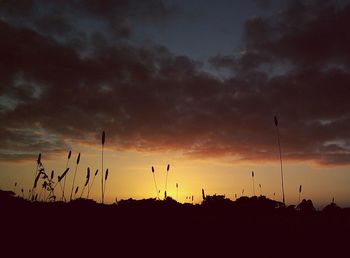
219 227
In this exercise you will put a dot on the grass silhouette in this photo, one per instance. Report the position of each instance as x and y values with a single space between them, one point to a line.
75 173
86 181
63 198
102 187
105 181
166 181
155 183
92 183
280 155
253 183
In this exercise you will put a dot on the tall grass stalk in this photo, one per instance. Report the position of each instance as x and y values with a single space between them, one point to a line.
75 173
61 187
14 189
59 179
64 181
76 191
280 152
93 179
102 188
261 193
38 163
177 192
166 181
300 188
86 182
155 183
253 183
105 181
42 188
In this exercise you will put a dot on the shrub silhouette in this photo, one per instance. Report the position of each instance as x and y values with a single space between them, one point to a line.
306 206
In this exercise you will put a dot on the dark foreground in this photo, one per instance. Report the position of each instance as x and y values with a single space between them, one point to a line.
248 227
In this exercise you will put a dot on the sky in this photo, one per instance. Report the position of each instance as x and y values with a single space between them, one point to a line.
194 84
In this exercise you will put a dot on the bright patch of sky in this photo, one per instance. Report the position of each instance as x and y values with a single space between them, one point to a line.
203 30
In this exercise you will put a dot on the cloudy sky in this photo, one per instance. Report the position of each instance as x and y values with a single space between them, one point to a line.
191 83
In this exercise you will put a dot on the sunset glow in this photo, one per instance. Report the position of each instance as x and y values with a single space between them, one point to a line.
172 83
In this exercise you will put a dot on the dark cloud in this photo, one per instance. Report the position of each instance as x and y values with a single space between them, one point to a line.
294 65
58 19
264 4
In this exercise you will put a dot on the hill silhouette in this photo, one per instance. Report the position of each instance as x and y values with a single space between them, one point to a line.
219 227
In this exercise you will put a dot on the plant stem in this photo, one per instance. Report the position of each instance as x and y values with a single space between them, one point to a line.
253 186
279 147
71 193
89 189
102 176
155 183
104 189
166 185
36 173
40 192
64 184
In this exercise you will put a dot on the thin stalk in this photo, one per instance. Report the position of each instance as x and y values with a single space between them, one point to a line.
280 152
14 189
177 192
253 183
36 171
75 172
64 181
166 181
71 193
29 195
41 192
76 191
103 143
82 191
105 182
52 193
61 188
102 176
155 183
86 182
93 179
44 198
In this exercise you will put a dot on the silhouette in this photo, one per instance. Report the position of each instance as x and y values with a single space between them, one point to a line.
306 206
280 152
102 186
75 173
217 226
63 198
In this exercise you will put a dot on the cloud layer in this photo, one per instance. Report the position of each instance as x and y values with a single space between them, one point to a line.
70 71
